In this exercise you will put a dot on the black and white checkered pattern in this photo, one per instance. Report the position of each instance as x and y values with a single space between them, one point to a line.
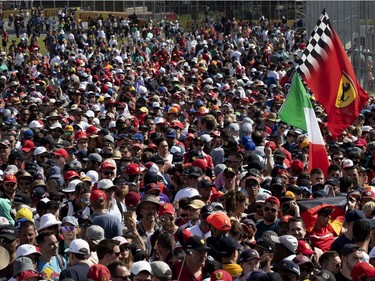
316 50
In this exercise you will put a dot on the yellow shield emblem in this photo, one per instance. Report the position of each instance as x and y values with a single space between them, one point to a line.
346 93
219 275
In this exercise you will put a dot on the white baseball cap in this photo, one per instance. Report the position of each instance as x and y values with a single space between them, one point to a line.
105 184
78 246
289 241
35 125
90 114
140 266
71 186
188 192
39 150
25 250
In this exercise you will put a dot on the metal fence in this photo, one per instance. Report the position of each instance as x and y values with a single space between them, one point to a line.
354 23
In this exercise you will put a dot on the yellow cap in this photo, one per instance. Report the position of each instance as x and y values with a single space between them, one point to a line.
24 212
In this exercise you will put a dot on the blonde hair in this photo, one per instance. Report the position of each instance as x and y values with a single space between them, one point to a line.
368 208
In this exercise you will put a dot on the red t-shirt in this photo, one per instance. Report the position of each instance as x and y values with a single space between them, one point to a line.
322 238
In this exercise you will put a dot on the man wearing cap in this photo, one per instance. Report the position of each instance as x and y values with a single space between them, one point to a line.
288 270
79 252
220 225
322 235
161 271
249 261
9 187
202 228
147 210
8 240
94 234
350 255
141 271
112 225
194 210
191 268
270 221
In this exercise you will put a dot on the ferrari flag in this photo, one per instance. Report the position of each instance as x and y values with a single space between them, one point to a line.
326 69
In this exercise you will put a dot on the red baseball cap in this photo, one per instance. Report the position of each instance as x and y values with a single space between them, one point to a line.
70 175
61 152
297 166
133 169
80 135
273 199
106 166
99 272
220 221
200 163
367 194
98 196
304 248
132 199
360 142
221 275
166 208
362 270
10 178
27 146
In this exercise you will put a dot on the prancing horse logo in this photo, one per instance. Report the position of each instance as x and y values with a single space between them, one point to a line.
346 93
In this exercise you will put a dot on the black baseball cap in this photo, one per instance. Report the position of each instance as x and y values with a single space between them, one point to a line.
197 243
348 249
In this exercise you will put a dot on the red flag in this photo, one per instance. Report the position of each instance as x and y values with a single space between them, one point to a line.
329 74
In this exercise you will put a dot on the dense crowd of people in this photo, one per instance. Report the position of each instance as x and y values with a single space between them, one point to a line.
144 152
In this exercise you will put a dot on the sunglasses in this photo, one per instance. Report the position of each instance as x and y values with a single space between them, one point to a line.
125 248
259 206
68 228
109 190
170 218
53 227
267 209
337 159
85 200
86 225
107 173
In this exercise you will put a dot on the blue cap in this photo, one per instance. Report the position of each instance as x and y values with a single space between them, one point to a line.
171 133
250 146
138 136
28 134
246 139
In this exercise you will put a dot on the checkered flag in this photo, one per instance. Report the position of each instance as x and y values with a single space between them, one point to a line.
315 52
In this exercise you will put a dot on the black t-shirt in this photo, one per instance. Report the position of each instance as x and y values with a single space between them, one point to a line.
340 277
340 242
77 272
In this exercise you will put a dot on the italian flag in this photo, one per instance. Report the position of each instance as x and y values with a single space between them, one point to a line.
297 111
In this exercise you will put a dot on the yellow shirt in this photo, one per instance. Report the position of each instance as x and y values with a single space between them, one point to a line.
233 269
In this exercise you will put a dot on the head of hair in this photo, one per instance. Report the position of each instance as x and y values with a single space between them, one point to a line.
296 219
236 230
257 137
40 238
316 171
345 184
325 257
105 247
368 208
166 241
361 230
232 199
333 167
113 266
